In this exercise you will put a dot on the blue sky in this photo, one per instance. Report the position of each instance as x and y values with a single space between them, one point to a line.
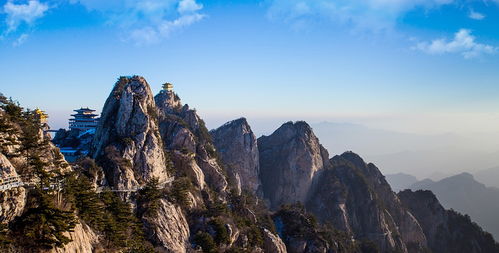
426 66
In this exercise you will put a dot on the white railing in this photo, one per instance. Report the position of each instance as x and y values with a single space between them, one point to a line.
135 189
12 182
8 183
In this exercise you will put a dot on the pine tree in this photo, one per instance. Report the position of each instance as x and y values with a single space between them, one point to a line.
43 226
79 191
148 198
121 228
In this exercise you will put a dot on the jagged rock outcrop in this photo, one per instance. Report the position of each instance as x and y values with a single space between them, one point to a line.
83 239
273 243
12 201
168 228
129 146
127 142
23 143
408 227
289 159
302 234
447 231
238 148
355 197
184 131
344 191
187 164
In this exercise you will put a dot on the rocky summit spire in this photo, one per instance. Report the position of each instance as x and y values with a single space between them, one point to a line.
238 148
289 160
167 100
127 141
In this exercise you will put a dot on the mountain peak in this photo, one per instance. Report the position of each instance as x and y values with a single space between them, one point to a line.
128 129
168 101
237 122
237 145
289 159
464 178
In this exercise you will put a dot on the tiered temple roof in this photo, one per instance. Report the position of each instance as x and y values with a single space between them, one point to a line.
84 119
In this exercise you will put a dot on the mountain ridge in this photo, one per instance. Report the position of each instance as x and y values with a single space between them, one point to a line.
162 182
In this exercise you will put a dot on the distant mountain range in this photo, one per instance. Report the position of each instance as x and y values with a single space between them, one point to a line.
400 181
489 177
420 155
460 192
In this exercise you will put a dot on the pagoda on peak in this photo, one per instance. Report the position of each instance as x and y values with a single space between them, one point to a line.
41 116
85 119
167 87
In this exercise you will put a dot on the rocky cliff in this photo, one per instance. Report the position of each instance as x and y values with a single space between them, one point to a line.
28 162
12 201
344 191
446 230
237 146
186 136
303 234
127 141
464 194
355 197
289 159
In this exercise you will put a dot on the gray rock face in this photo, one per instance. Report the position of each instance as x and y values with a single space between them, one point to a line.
344 191
273 243
83 239
184 131
447 231
168 102
127 141
408 227
289 160
357 209
169 228
12 201
238 148
355 197
187 164
302 234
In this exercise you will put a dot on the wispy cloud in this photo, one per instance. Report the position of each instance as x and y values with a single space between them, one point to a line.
463 43
188 6
19 41
19 14
366 14
476 15
147 21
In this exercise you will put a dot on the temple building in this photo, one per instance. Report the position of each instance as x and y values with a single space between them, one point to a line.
76 142
83 120
167 87
41 116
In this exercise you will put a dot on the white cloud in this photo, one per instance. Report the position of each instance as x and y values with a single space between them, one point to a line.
476 15
186 6
366 14
17 14
145 36
19 41
169 26
147 21
463 43
152 35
